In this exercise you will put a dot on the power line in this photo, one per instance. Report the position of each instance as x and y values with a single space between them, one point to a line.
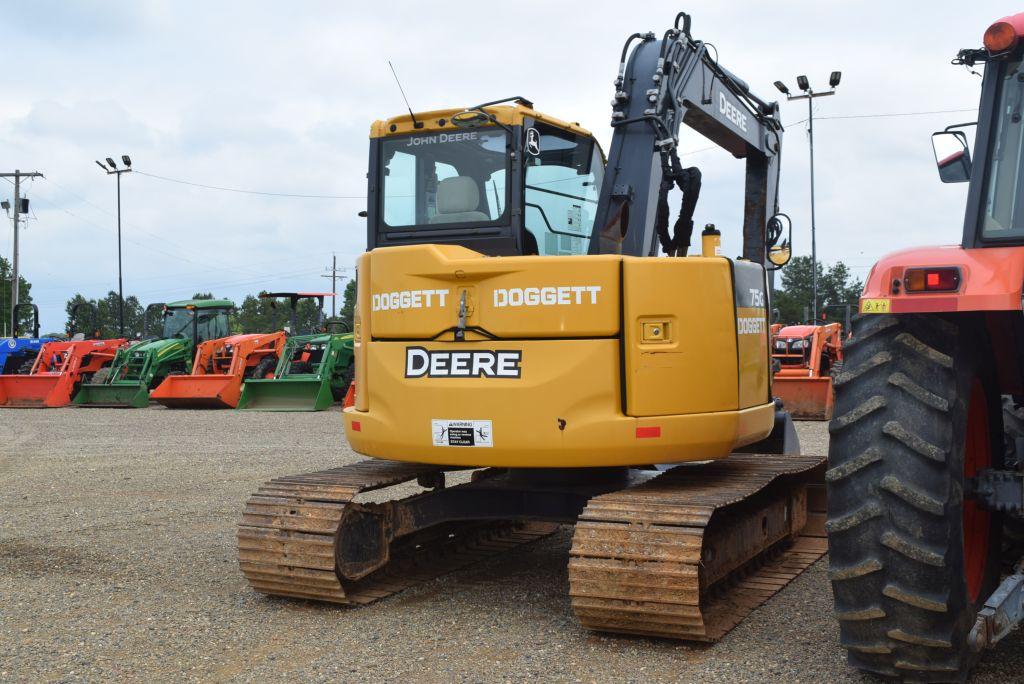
166 292
245 191
891 114
248 192
131 225
241 283
134 242
156 236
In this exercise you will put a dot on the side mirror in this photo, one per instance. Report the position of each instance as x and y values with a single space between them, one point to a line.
779 248
952 156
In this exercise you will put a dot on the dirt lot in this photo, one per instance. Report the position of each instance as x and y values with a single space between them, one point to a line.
117 561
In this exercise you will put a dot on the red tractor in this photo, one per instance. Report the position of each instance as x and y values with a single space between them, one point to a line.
924 473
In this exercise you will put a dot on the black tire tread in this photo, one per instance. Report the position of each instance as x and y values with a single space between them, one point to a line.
893 508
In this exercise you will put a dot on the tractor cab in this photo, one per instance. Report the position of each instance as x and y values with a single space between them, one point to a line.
995 208
507 180
791 345
198 319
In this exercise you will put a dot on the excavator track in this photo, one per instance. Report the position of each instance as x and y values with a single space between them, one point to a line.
684 554
289 532
691 552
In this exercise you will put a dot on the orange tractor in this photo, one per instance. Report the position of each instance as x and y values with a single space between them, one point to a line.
806 356
220 368
60 368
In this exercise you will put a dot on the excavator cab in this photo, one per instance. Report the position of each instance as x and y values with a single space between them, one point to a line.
499 178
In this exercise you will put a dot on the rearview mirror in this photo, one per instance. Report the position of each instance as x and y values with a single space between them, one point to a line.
779 248
952 156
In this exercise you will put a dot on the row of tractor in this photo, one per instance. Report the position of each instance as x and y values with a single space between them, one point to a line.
192 362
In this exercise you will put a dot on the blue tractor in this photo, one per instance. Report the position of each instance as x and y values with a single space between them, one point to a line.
17 354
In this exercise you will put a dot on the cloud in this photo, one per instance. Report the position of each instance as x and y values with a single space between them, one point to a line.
82 124
279 97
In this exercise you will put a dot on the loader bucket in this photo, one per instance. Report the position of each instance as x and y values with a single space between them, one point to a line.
34 391
117 395
198 391
290 394
806 398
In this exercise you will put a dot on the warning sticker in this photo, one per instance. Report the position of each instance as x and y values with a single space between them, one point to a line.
462 433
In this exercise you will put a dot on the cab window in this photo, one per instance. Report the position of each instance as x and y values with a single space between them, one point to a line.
1003 215
563 179
445 178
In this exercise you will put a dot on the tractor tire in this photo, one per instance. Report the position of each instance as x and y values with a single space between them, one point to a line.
1013 433
25 367
911 562
266 366
100 376
348 376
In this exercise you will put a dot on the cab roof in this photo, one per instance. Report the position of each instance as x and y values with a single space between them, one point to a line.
796 331
202 304
508 114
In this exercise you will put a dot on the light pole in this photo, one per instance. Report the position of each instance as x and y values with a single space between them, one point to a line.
113 170
809 95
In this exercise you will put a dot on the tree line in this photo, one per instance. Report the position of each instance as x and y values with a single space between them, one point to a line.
253 315
24 297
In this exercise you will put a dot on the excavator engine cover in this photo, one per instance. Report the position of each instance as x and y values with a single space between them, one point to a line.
557 361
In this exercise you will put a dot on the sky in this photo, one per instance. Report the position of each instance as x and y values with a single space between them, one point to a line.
279 97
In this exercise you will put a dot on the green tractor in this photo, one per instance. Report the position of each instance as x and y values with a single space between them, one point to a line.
313 372
138 368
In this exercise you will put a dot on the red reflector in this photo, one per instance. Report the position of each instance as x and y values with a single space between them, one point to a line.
646 432
357 426
944 279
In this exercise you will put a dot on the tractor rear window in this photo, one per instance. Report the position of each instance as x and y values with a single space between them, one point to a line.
1004 194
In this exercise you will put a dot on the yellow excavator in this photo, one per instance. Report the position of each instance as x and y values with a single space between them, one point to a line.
513 319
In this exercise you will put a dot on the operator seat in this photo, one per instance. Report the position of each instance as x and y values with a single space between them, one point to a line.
457 201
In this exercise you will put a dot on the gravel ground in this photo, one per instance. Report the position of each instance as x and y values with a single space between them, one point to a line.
117 561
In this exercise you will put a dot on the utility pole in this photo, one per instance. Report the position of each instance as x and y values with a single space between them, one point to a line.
113 170
809 95
17 176
332 273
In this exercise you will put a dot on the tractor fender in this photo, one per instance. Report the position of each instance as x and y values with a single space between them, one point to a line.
990 279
